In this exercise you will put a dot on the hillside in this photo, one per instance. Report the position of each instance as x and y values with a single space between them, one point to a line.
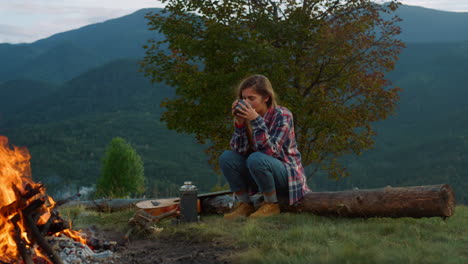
61 62
115 86
20 94
67 155
67 132
429 25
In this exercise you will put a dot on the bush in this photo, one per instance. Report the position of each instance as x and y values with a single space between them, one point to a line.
122 171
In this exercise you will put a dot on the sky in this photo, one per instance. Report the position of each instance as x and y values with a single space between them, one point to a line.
25 21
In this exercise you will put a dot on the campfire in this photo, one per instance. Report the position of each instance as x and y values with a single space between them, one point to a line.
31 231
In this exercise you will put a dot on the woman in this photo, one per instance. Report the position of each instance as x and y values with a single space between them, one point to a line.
264 153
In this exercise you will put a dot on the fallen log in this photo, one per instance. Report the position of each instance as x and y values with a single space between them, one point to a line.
105 205
418 201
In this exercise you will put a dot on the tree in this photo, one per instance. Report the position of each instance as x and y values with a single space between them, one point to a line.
122 171
326 60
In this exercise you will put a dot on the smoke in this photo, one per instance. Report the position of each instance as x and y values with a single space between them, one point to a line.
74 192
86 192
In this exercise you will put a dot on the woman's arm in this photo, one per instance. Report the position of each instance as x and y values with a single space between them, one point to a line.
239 141
271 141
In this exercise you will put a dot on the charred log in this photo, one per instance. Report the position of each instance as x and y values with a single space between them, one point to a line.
54 224
29 216
20 203
29 192
20 243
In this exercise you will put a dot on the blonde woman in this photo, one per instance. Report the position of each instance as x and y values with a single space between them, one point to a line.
264 155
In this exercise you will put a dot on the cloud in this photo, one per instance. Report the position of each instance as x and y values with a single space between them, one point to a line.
36 19
446 5
56 7
41 25
30 20
11 34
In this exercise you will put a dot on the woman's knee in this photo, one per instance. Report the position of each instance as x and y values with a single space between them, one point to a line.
227 157
256 160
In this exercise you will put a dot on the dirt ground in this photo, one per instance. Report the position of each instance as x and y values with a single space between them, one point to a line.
171 250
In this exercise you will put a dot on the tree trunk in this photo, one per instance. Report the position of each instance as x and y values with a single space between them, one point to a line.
419 201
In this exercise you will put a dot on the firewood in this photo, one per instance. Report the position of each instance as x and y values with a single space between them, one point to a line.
20 243
30 191
144 221
34 231
54 224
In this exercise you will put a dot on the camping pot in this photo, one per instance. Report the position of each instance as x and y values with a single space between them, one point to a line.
188 202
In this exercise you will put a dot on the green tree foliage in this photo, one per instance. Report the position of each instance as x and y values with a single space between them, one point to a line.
325 58
122 171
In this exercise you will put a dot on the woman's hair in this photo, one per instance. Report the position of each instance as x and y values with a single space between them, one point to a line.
261 85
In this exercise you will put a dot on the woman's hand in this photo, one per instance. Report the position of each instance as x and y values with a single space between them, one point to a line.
247 112
240 121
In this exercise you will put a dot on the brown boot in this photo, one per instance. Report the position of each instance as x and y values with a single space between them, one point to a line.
267 209
243 210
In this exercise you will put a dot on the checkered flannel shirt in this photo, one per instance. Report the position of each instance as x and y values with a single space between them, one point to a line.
273 134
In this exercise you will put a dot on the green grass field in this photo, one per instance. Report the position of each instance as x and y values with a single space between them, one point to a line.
306 238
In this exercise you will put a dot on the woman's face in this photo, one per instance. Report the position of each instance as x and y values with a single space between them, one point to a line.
255 100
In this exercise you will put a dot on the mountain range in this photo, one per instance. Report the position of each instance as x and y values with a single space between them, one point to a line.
65 97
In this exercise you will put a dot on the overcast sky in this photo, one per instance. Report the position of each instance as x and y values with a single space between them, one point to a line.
30 20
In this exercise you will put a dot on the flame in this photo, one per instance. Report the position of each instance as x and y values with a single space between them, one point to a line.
14 172
15 177
75 235
49 205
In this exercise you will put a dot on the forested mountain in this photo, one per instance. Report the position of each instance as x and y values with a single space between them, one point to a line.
50 59
17 95
428 25
68 131
68 54
115 86
426 141
67 96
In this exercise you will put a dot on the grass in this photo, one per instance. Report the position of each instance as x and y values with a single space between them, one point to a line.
81 218
306 238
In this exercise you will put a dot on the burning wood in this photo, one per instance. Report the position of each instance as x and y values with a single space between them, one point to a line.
29 225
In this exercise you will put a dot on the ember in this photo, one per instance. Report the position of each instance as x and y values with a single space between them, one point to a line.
27 217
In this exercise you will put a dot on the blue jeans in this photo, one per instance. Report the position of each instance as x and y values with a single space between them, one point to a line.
257 171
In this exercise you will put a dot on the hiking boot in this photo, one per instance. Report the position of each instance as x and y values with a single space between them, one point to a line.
267 209
243 210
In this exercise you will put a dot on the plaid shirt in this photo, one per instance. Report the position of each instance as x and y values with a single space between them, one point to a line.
273 134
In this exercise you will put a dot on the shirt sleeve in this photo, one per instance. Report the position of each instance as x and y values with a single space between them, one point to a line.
271 141
239 141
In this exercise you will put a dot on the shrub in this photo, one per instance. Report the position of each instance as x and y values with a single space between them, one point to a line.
122 172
